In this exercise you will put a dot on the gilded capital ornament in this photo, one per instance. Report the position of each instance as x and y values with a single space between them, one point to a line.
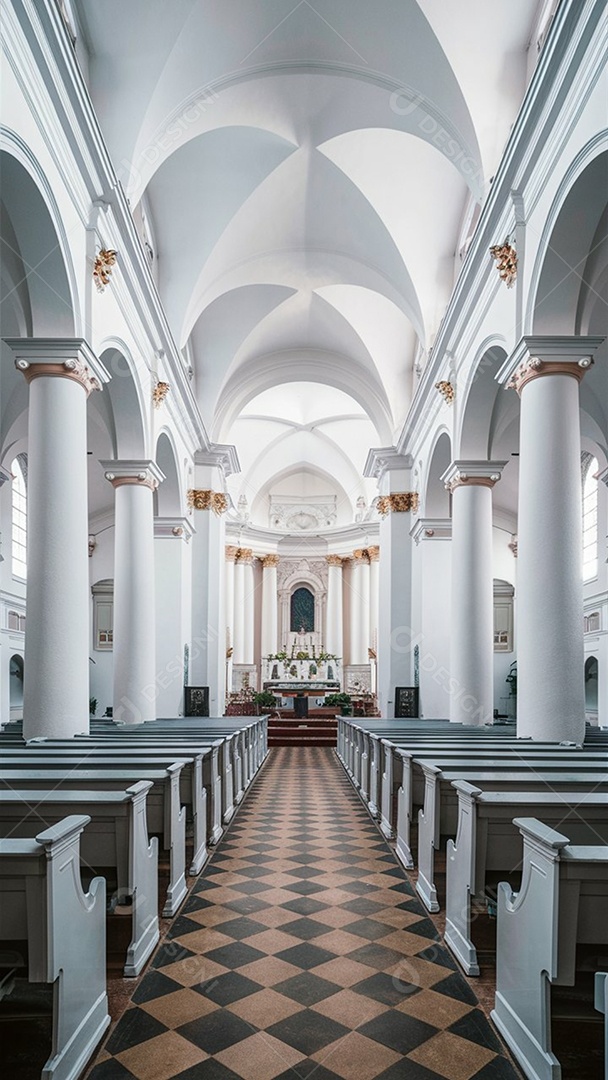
244 555
231 551
360 555
269 560
198 499
102 268
373 553
334 560
400 502
505 257
446 390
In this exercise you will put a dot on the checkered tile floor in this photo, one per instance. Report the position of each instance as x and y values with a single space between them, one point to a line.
302 952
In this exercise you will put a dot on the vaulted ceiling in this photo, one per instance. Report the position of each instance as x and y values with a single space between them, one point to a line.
306 170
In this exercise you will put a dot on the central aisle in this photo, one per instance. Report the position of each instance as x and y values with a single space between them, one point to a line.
302 952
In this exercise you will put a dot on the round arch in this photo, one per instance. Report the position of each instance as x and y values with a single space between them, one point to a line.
168 496
121 405
436 499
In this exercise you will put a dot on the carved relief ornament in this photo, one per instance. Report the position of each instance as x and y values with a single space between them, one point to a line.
400 502
269 560
73 369
534 368
207 500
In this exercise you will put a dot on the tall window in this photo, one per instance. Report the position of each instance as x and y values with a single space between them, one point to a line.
302 611
19 532
590 467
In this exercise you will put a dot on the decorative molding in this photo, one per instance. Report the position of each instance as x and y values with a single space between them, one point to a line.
173 528
205 499
505 257
269 560
361 555
302 514
400 502
536 356
230 552
446 390
221 456
431 529
65 358
92 544
159 393
512 546
383 459
374 553
472 473
138 473
105 260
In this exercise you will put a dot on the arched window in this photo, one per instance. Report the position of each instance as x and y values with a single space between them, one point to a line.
590 468
302 611
19 527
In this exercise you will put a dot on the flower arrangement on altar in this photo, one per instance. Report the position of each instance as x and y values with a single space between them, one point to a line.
302 654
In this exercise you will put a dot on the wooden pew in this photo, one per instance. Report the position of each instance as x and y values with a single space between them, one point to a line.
116 837
403 773
488 847
600 1002
166 816
201 783
42 901
439 816
561 904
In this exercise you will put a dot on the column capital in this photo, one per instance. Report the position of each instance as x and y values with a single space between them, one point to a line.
230 551
144 473
206 499
269 560
64 358
535 356
334 560
244 555
473 473
173 528
361 555
426 529
374 553
399 502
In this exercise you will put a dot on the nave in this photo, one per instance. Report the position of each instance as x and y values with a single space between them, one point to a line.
302 951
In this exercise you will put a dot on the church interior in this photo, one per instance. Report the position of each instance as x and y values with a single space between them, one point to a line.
304 540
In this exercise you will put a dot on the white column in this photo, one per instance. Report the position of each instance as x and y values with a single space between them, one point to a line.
248 605
171 555
432 537
61 375
396 503
238 656
472 614
374 594
334 637
546 372
359 607
134 639
269 604
229 598
208 657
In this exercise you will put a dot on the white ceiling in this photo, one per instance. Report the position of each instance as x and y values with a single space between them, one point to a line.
305 168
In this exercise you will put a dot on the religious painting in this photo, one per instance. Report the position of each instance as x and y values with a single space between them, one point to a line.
302 615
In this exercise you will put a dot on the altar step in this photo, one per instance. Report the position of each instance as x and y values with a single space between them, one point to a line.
291 731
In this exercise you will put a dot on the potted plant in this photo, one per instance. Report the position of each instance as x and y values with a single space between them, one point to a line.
342 701
92 706
264 701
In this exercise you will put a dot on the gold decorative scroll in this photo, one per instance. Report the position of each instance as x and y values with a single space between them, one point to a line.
446 390
400 502
207 500
505 257
159 393
102 269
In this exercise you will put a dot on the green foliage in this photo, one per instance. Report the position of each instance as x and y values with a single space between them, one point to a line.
92 706
265 700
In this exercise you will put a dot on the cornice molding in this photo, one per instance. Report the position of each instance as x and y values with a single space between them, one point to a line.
221 456
538 355
383 459
173 528
427 529
471 473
